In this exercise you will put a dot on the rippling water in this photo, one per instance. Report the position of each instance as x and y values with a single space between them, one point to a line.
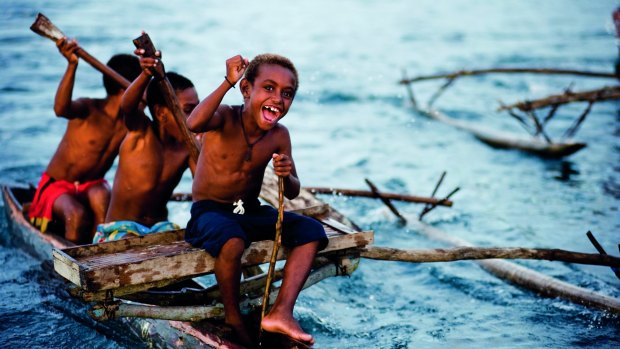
350 121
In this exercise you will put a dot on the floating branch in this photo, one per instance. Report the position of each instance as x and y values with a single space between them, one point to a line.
602 251
385 201
527 278
602 94
460 73
391 196
469 253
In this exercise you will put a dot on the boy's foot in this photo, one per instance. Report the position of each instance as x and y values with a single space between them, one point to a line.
286 325
242 336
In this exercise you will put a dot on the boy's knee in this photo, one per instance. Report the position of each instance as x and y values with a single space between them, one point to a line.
233 248
75 214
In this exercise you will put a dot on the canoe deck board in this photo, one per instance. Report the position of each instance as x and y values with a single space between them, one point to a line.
163 258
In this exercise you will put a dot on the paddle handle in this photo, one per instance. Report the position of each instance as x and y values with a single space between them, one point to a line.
144 42
44 27
95 63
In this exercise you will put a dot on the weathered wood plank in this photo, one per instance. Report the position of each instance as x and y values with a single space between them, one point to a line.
149 264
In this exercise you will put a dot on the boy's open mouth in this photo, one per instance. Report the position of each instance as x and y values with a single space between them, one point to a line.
271 114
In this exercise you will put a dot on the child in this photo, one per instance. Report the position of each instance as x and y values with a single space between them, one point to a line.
72 188
238 144
152 158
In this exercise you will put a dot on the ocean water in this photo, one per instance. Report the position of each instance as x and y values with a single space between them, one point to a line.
352 120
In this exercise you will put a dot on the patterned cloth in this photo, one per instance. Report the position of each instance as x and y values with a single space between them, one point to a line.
48 190
124 229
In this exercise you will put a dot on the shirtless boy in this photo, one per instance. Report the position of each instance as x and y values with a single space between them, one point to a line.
152 158
238 144
72 189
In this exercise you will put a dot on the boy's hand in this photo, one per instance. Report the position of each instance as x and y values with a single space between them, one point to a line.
67 48
235 67
282 165
148 64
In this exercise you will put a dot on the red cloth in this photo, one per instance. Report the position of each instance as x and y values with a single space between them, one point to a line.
48 190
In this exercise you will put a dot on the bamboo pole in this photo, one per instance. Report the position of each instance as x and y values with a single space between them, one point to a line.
474 72
475 253
370 194
602 94
527 278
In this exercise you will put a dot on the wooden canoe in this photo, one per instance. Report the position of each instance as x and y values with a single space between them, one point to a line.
168 333
507 140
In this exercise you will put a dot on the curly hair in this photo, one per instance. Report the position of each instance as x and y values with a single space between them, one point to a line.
154 95
126 65
269 58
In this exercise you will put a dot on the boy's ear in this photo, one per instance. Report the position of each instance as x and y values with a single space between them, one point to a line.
245 87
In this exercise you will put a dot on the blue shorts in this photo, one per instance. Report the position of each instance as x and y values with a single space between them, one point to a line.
212 224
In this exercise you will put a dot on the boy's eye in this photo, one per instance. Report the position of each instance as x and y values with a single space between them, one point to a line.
287 94
269 88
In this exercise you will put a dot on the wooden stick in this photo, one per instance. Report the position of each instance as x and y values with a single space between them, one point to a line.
474 253
385 200
527 278
44 27
432 207
370 194
602 94
274 252
550 71
602 251
144 42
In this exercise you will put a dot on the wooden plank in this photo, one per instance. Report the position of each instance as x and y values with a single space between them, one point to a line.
67 267
143 264
125 244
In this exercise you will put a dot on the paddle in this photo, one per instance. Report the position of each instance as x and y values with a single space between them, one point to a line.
144 42
274 253
44 27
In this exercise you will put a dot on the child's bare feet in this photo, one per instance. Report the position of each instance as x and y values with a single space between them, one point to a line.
287 325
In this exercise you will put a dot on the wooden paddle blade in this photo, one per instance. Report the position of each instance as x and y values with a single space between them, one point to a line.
144 42
44 27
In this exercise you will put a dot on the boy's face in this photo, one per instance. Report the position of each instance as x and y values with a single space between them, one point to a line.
188 100
271 95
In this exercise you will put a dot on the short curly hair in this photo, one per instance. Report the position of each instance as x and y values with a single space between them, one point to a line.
270 58
126 65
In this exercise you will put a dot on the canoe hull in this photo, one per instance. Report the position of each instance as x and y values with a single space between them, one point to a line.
505 140
155 333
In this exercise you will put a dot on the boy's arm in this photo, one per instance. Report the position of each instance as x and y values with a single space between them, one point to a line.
284 166
133 115
205 116
63 105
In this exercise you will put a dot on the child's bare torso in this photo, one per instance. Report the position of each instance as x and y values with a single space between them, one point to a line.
89 146
149 169
224 174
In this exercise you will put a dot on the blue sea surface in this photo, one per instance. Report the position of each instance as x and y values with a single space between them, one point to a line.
352 120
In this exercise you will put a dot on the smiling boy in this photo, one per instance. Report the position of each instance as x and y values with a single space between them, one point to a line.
238 144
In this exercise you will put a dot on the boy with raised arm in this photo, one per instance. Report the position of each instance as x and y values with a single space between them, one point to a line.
72 189
238 144
152 158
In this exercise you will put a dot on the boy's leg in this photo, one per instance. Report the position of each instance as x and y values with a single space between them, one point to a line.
280 319
99 199
76 217
228 275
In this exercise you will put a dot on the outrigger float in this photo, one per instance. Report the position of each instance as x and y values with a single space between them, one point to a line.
153 283
538 142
